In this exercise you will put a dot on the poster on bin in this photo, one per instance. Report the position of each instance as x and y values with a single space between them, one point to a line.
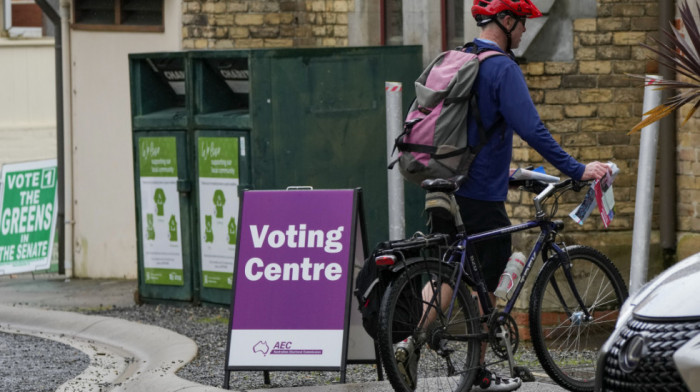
217 160
27 216
291 279
160 211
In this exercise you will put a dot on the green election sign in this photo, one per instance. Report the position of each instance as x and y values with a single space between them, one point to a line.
27 216
217 158
160 211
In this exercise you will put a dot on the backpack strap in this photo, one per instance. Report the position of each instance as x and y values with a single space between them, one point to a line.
484 135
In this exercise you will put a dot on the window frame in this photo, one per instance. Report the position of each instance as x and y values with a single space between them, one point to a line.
19 31
384 25
118 25
448 17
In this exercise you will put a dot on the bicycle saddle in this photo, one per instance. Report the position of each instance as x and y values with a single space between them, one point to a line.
442 185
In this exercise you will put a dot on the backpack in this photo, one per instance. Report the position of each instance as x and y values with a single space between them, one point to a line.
434 141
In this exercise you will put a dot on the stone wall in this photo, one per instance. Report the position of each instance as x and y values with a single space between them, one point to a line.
688 183
232 24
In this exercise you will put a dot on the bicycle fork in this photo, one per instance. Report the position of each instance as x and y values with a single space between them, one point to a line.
576 317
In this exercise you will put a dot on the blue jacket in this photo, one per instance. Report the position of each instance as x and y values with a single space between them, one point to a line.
503 92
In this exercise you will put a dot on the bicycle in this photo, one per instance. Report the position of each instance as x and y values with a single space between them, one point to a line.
574 303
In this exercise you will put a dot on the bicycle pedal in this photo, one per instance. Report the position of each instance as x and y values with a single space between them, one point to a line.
524 373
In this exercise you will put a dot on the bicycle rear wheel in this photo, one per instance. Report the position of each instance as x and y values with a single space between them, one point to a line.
565 342
442 352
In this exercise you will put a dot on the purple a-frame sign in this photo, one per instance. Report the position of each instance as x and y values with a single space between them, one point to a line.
290 307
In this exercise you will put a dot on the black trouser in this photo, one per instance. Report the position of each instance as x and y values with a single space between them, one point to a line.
478 216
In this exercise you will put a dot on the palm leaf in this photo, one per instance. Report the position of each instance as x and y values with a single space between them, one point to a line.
682 54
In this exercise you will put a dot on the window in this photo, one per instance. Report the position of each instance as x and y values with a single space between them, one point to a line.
23 18
453 24
118 15
392 22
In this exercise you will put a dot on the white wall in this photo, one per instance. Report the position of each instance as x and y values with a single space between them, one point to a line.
27 100
103 178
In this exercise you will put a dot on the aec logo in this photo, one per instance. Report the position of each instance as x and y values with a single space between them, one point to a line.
264 349
261 347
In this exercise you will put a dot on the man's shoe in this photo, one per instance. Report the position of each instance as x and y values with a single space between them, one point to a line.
406 357
489 381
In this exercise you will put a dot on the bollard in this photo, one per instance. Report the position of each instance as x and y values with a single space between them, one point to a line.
639 264
394 127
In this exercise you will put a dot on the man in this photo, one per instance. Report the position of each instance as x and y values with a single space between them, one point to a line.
505 107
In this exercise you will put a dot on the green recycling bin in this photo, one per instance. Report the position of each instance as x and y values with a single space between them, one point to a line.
221 125
162 173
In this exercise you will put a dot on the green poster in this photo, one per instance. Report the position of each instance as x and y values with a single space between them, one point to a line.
217 158
27 216
160 211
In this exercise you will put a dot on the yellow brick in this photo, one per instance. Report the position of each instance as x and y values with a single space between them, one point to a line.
220 8
544 82
208 8
237 7
249 19
201 44
279 43
286 18
580 110
249 43
596 95
340 31
595 67
238 32
534 69
550 112
595 154
585 24
340 6
316 6
271 19
223 44
628 38
561 96
559 68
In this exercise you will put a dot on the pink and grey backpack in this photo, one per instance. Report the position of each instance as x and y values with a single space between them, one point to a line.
434 141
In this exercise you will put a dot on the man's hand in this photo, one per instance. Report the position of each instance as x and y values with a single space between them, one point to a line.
595 171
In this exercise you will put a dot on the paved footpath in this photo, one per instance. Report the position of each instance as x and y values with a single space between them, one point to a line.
135 356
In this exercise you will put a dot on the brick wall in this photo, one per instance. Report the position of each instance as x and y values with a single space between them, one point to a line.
688 183
230 24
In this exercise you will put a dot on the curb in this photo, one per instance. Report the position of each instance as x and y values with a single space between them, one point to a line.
138 357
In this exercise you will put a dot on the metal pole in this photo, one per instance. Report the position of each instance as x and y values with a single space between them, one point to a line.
646 173
394 126
53 15
667 150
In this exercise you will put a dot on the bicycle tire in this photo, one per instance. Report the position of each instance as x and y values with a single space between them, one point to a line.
436 351
566 345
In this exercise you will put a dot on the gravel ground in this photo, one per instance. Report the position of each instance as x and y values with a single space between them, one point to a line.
206 325
33 364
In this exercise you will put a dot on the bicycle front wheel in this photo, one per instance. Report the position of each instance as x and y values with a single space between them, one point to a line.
423 343
565 341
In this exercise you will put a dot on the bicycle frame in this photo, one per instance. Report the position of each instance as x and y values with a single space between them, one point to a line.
469 263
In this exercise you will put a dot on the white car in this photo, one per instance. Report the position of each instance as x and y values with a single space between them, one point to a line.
656 342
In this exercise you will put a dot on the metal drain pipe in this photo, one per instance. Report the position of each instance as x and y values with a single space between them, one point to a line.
667 151
53 15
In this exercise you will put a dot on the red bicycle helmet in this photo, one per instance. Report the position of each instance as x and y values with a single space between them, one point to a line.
517 7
